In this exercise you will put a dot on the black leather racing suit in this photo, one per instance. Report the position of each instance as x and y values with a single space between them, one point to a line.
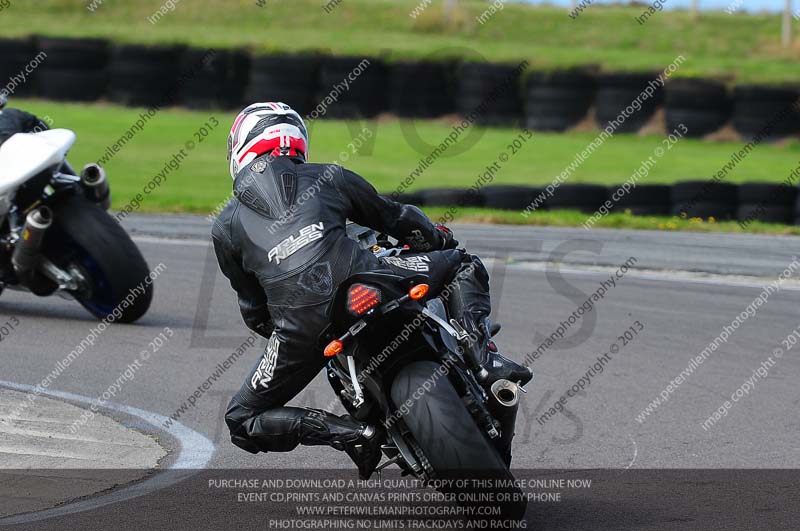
13 121
282 243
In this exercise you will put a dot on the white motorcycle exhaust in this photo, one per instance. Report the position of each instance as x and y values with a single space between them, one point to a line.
95 185
28 249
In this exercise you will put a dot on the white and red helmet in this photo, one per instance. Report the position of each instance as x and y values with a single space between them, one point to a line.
266 128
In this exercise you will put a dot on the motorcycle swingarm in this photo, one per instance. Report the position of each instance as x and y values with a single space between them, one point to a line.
396 436
474 395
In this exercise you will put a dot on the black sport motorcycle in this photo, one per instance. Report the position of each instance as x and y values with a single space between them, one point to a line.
398 360
56 235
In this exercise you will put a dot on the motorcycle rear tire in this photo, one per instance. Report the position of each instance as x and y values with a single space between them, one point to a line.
453 444
106 254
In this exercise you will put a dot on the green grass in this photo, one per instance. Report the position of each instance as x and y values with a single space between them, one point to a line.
570 218
743 46
203 180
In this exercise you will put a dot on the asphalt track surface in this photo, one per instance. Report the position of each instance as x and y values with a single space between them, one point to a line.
683 289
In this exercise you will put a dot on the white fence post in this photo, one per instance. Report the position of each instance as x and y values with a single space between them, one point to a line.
786 30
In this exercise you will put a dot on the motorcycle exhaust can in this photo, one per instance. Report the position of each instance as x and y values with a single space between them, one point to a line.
28 249
503 405
506 393
95 185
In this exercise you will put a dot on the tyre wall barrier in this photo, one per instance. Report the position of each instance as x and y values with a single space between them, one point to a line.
584 197
493 90
556 101
74 70
422 90
748 202
704 199
774 203
702 106
646 200
144 75
213 78
617 92
15 54
359 84
509 197
450 197
95 69
766 111
291 79
797 210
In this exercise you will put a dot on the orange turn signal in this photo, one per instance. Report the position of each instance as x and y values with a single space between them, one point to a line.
418 291
333 348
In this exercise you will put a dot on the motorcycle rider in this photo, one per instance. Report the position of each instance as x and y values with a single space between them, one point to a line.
13 121
281 242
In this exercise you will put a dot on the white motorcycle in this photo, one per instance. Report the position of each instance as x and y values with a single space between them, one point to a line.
56 235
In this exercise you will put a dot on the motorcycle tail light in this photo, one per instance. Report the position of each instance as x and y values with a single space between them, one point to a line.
362 298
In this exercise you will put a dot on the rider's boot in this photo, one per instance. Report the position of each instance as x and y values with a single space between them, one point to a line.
366 451
497 366
362 442
470 299
282 429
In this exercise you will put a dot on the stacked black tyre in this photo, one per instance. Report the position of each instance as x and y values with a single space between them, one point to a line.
408 198
75 69
142 75
557 101
617 92
767 112
644 200
213 78
490 93
771 203
291 79
509 197
423 90
445 197
358 83
701 106
797 210
15 55
584 197
704 199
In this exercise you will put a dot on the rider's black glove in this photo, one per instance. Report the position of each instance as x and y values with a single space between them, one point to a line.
448 241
